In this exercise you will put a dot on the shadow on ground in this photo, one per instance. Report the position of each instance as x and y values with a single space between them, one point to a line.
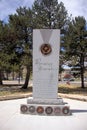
78 111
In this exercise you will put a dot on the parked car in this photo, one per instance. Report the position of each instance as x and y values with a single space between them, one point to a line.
72 79
68 79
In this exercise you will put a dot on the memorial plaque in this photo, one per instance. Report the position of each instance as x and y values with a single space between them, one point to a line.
46 43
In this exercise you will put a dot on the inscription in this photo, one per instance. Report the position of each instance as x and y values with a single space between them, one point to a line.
43 66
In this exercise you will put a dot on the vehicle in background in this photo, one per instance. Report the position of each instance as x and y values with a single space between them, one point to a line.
68 79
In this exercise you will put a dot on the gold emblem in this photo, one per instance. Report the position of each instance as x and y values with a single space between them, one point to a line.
46 49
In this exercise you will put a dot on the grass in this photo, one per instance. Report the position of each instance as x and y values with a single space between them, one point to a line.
6 90
72 89
15 89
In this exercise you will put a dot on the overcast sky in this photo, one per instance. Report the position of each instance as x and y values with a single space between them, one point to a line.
74 7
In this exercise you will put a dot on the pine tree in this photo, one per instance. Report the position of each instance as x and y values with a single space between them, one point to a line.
53 15
76 43
22 24
7 47
49 14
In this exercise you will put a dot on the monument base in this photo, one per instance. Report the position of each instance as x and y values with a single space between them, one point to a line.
52 107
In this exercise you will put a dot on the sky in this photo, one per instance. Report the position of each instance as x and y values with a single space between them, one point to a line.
74 7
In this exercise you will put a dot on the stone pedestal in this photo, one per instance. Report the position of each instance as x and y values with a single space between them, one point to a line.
58 101
46 107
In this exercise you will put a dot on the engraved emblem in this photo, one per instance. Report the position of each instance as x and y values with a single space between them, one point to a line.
49 110
40 109
46 49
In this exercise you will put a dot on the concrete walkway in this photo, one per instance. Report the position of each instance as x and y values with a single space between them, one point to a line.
11 119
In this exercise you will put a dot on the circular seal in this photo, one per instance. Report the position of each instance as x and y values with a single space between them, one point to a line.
32 109
57 110
46 49
40 109
24 108
49 110
65 110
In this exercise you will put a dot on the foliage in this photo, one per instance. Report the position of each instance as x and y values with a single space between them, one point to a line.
76 43
7 47
16 45
22 24
49 14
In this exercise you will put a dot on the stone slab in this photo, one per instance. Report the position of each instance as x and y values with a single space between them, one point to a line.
45 65
57 101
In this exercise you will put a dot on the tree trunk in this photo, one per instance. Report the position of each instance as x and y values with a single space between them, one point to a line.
1 77
13 75
6 75
82 71
25 86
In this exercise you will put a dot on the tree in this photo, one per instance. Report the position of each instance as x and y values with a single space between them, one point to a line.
44 14
49 14
22 24
7 48
1 53
76 43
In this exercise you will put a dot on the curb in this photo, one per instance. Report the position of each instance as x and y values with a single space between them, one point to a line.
74 97
70 96
12 97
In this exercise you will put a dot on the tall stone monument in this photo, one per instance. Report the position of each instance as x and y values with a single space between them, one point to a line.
45 100
45 63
